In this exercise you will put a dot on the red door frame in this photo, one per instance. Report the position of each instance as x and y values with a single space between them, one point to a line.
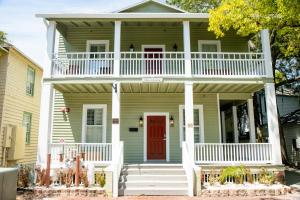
156 137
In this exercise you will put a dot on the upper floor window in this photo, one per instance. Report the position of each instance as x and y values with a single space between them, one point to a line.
27 117
30 81
97 46
209 45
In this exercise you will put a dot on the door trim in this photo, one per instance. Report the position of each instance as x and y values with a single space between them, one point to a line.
162 46
84 115
166 114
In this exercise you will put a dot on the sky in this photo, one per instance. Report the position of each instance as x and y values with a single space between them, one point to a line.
28 33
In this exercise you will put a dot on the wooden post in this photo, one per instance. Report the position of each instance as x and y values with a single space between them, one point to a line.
77 168
187 48
47 181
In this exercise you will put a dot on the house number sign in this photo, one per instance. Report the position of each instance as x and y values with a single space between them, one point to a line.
115 120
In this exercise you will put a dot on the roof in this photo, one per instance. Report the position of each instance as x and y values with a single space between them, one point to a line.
7 46
132 13
150 1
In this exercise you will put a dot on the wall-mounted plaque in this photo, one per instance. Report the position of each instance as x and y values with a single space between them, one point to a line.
133 129
115 120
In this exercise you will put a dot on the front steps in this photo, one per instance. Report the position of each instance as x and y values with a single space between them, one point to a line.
153 179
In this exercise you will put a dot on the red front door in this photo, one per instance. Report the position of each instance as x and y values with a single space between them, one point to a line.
153 60
156 137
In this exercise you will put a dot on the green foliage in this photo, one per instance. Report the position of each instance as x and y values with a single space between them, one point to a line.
101 179
234 172
2 37
266 177
213 177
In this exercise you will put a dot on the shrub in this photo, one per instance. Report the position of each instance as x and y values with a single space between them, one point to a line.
101 179
266 177
237 173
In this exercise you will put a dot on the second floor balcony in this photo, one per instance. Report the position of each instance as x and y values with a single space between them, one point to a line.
159 64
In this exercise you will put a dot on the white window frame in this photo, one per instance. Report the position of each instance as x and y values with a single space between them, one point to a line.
201 122
216 42
91 42
84 119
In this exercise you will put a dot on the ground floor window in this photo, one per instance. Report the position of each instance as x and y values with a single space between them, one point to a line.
198 123
94 123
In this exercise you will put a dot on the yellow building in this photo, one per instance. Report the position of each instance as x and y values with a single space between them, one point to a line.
20 92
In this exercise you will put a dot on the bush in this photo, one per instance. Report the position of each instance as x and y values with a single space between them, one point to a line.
266 177
237 173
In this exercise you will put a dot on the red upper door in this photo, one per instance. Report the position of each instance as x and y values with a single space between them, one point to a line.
156 137
153 60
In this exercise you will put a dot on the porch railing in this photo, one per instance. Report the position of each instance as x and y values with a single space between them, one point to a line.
93 152
228 64
237 153
158 64
82 64
152 64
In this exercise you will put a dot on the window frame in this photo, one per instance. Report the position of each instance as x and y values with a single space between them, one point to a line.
27 136
216 42
85 107
30 69
199 107
91 42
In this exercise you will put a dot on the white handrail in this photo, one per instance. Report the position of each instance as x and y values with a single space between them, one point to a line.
93 152
188 166
235 153
229 64
117 167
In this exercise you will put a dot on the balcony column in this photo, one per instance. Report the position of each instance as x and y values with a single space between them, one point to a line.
251 120
187 48
115 133
235 124
273 127
265 42
117 48
189 117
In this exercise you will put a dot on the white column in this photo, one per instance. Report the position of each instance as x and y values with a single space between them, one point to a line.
223 120
189 117
117 48
187 48
235 124
251 121
265 42
47 94
273 126
115 133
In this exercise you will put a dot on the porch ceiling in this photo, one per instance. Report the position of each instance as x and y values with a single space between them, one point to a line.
158 88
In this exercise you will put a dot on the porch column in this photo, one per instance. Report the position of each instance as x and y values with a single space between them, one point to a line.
235 124
265 42
273 127
189 117
115 133
223 118
251 120
45 125
117 48
187 48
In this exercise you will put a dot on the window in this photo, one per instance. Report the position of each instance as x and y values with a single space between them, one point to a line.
97 46
198 124
27 117
30 81
94 123
209 46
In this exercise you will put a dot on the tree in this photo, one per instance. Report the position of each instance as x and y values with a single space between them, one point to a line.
247 18
2 37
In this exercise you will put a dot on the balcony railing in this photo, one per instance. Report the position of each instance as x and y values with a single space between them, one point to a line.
93 152
238 153
159 64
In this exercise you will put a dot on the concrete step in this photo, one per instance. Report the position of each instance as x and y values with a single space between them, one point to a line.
152 191
154 171
127 178
155 184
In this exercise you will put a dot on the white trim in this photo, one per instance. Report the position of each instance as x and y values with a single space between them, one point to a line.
162 46
166 114
201 122
90 42
146 1
219 118
216 42
84 115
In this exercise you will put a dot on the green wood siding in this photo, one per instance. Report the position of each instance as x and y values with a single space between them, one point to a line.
167 34
69 126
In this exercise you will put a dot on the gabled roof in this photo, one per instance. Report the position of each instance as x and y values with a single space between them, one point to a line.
148 3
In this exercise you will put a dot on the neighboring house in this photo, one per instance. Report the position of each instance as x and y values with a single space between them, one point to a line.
20 95
146 86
